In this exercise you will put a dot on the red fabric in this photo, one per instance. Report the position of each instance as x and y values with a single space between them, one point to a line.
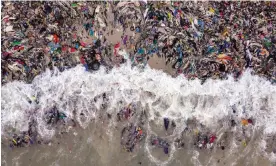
64 48
72 50
117 46
15 47
56 39
82 44
140 132
6 54
21 48
82 60
221 14
212 139
20 62
18 48
6 20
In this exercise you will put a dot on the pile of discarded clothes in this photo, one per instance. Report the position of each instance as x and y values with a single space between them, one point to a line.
212 39
131 135
198 39
40 35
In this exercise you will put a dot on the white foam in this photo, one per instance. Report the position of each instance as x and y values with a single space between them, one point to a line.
253 96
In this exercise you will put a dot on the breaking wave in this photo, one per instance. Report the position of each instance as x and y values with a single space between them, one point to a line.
75 92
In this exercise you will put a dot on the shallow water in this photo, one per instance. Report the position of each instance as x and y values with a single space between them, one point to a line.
96 138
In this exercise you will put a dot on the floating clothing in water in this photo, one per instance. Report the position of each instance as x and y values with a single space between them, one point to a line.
156 141
166 150
166 123
131 135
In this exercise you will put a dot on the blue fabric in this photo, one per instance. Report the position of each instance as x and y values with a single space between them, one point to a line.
53 45
220 48
141 51
175 12
210 49
201 24
86 67
180 52
153 50
26 68
226 44
91 32
215 20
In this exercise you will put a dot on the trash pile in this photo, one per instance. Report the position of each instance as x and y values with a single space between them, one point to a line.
198 39
131 135
212 39
40 35
132 117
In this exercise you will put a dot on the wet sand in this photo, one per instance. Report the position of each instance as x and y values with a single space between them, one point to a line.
159 63
99 144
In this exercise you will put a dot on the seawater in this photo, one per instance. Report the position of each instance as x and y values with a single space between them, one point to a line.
211 104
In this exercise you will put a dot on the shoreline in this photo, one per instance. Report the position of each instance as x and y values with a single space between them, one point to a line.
106 129
96 143
142 83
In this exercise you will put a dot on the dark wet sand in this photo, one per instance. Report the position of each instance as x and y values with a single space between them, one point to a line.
99 144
